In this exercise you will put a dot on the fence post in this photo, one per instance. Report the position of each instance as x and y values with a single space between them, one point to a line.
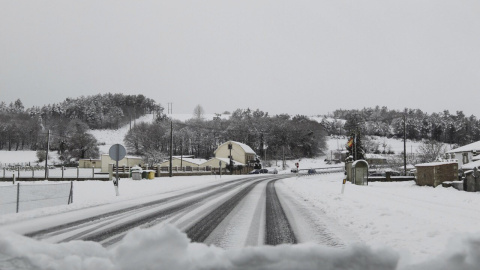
78 172
13 178
18 169
70 196
33 172
93 172
62 171
18 196
3 172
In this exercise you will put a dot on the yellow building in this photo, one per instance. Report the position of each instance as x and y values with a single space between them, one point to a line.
240 152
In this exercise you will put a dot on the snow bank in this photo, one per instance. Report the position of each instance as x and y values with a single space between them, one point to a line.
168 248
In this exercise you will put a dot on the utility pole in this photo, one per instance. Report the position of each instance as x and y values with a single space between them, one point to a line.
405 142
171 149
283 150
181 154
231 163
46 156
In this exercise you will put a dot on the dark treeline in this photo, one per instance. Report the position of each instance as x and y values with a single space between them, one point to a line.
69 122
296 136
106 111
443 127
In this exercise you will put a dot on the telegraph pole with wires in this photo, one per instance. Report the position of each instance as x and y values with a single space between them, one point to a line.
171 149
231 162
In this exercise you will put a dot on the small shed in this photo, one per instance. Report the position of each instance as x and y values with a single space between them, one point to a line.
435 173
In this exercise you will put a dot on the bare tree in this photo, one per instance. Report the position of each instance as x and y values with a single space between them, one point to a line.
198 112
430 150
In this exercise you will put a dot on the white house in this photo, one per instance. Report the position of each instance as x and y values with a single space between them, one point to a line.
465 153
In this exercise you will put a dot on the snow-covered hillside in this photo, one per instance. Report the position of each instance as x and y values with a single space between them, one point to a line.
108 137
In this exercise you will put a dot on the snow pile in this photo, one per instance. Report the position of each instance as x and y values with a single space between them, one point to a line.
168 248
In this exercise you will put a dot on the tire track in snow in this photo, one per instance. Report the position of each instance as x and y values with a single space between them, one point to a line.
278 229
202 229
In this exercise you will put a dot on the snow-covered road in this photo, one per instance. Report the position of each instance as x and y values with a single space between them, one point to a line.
234 213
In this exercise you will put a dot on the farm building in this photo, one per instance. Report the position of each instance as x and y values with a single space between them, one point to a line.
435 173
127 161
89 163
240 152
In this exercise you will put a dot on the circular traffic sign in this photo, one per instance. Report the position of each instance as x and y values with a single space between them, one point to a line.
117 152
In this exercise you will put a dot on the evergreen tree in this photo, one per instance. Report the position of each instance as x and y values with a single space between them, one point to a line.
355 148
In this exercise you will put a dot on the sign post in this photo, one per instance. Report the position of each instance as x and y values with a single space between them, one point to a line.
117 152
297 164
220 167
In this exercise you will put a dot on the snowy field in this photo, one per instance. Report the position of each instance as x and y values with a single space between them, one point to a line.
388 225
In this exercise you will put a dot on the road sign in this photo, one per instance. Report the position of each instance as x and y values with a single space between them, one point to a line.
117 152
297 164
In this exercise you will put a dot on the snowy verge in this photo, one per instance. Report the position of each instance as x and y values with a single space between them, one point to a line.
167 248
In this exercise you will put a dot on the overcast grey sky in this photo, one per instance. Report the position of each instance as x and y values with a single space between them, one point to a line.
297 57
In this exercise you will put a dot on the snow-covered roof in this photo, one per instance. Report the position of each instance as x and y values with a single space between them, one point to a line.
466 148
245 147
374 156
471 165
133 157
433 164
197 161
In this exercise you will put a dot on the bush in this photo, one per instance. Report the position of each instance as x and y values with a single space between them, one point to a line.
41 155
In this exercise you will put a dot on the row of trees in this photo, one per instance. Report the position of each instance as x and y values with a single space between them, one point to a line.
107 111
443 127
274 136
69 123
